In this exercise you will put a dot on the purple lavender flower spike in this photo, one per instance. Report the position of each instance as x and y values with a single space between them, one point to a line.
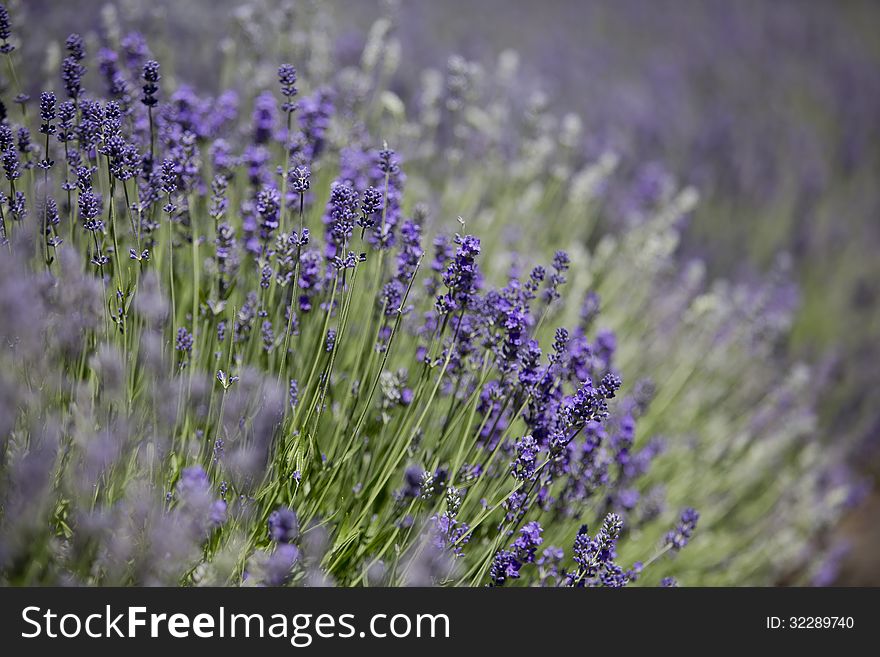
681 534
283 525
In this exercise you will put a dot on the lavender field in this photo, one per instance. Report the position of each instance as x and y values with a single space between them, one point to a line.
301 293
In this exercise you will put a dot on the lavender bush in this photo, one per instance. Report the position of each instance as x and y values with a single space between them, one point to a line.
300 331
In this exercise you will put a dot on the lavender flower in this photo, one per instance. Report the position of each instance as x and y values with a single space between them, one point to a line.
371 205
135 51
293 393
52 218
407 261
341 215
47 112
680 535
523 468
264 118
314 119
505 566
268 207
66 118
168 183
6 137
18 206
151 79
388 176
200 509
268 336
461 277
11 165
116 84
90 207
5 31
71 76
560 266
124 158
528 541
279 565
184 342
299 179
76 47
287 80
330 341
283 525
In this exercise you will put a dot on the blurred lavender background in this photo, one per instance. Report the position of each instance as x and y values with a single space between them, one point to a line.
772 109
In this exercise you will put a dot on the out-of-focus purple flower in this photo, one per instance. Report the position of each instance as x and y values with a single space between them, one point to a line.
283 525
330 342
264 118
412 483
391 297
226 253
268 335
197 502
136 51
279 566
116 84
309 278
829 568
293 393
315 112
